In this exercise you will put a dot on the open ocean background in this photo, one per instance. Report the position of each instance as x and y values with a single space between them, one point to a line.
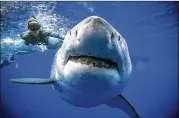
150 29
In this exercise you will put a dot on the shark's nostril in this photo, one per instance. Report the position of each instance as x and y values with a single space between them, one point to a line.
97 20
94 20
88 20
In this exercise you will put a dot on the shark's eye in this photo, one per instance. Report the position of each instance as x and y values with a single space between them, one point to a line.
112 35
76 32
119 38
70 32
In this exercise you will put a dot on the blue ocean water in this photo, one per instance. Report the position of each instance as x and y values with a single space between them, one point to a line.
150 29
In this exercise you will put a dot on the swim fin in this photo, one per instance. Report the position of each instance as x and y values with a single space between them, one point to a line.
121 103
32 81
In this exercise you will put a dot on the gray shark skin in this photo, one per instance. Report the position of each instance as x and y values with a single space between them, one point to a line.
91 68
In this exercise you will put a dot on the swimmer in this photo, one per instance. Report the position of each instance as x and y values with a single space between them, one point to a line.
36 35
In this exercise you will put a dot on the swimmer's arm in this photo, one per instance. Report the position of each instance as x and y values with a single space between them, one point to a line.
56 35
26 37
53 34
23 48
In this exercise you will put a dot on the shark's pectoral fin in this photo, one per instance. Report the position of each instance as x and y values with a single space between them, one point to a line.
32 81
121 103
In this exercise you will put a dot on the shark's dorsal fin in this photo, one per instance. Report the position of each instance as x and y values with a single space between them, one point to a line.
121 102
32 81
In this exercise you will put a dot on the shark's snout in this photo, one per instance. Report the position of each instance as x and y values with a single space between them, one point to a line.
92 37
94 30
96 23
95 20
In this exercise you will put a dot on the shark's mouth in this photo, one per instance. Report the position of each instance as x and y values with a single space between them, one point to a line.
94 61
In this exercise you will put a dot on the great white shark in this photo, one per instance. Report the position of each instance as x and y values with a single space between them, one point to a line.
92 67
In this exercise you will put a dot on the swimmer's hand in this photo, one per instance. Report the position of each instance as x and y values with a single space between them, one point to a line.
26 43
